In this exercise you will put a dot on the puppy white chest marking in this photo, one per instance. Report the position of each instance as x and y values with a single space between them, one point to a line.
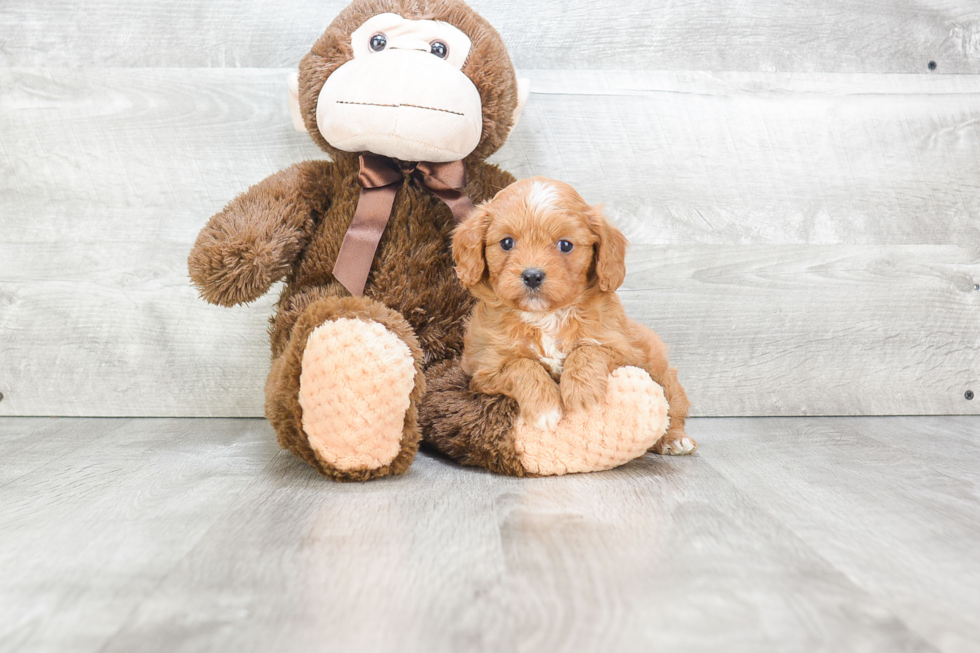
549 325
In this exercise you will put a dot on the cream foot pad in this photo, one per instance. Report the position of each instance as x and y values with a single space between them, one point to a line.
632 418
354 391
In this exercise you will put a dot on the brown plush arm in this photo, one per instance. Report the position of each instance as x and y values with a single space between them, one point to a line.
254 241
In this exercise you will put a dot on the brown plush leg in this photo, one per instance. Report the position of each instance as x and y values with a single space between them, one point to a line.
471 428
324 395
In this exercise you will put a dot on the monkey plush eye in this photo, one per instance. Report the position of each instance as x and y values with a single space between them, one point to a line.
565 246
378 42
439 49
507 244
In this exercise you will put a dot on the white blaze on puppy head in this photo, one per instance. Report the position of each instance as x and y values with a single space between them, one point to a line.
404 94
542 196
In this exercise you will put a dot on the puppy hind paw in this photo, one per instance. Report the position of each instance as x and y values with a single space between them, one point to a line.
675 446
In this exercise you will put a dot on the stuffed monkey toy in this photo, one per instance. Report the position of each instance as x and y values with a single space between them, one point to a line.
409 98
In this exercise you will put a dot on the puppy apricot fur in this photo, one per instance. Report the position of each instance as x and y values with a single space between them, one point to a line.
551 346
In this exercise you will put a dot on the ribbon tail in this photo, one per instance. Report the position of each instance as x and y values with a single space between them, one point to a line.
356 253
457 201
446 181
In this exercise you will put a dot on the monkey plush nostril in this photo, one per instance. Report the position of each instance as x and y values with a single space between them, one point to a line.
532 278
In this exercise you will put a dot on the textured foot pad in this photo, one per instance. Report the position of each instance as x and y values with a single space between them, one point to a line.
630 420
354 391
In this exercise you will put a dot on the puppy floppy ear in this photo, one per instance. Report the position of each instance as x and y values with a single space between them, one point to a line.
468 244
610 251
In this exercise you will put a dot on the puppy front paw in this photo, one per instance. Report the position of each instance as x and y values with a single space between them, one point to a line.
579 395
548 421
541 405
543 414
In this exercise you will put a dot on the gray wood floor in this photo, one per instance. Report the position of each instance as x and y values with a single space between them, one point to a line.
788 534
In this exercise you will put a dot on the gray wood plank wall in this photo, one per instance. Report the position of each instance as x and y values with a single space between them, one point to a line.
899 36
801 190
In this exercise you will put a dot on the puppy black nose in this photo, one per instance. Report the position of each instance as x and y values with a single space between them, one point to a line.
533 278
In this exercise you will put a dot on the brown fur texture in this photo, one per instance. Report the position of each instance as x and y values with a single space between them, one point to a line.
291 225
472 428
551 344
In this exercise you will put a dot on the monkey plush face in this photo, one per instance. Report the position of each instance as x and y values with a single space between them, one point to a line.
403 94
416 80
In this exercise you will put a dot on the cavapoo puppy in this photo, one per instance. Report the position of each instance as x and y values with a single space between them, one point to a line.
548 327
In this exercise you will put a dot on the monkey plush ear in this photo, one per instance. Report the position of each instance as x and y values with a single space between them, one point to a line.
523 93
610 251
468 243
292 80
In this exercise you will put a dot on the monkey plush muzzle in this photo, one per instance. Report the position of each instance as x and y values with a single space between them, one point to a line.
402 103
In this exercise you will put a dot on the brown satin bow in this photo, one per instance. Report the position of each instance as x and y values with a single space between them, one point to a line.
379 178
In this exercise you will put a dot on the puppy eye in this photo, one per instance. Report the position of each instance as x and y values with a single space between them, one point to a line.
507 244
565 246
439 49
378 42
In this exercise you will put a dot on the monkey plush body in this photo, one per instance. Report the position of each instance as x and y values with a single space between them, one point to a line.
410 81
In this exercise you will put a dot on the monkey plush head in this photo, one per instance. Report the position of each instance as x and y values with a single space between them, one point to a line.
411 80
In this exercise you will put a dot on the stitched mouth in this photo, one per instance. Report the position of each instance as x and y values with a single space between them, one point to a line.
395 106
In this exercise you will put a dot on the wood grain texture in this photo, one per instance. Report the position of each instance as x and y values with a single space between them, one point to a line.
27 445
106 155
92 530
756 35
949 445
868 479
748 159
814 330
591 563
136 155
754 330
797 534
848 264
